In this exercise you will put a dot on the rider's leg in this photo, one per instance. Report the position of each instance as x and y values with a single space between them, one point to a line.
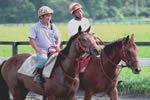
42 58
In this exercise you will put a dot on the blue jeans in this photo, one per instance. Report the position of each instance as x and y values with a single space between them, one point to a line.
42 58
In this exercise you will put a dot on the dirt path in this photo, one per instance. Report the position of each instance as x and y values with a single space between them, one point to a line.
32 96
103 98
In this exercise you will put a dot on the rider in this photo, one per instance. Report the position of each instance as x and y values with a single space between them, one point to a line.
42 36
78 20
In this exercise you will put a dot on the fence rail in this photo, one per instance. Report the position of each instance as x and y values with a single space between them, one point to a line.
15 44
143 61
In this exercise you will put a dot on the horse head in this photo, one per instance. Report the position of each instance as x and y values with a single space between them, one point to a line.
129 54
86 42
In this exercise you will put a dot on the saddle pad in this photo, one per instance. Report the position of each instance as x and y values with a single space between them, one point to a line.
30 64
83 64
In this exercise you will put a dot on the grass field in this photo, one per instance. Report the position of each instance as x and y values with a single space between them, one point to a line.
133 83
105 33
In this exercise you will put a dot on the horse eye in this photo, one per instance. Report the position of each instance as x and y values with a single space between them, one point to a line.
128 52
83 40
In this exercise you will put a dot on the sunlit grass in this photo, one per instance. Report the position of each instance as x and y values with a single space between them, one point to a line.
105 33
113 32
14 33
135 83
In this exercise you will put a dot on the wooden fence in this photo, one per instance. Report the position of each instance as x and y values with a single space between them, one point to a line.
15 45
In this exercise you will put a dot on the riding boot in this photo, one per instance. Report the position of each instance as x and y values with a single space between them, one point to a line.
38 75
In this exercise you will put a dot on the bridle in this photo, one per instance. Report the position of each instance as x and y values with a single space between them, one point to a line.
80 48
123 55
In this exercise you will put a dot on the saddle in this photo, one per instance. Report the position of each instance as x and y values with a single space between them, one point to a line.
30 64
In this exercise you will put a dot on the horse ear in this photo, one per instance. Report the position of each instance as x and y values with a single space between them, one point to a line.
126 40
79 29
88 30
132 37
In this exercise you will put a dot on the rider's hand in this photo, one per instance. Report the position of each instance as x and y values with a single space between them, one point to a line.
58 48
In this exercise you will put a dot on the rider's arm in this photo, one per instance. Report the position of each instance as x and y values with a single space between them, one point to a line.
57 36
33 44
58 43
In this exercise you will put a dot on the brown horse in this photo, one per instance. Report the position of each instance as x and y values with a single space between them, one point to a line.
63 82
101 75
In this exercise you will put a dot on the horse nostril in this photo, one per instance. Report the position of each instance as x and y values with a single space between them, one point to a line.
137 70
95 51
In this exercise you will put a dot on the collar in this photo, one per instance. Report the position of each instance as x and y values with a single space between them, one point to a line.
49 27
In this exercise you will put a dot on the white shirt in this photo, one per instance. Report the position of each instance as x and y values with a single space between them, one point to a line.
74 25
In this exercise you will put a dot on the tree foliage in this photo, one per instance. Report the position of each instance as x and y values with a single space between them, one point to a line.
25 11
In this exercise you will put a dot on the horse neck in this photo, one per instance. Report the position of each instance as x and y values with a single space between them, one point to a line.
109 62
70 65
115 55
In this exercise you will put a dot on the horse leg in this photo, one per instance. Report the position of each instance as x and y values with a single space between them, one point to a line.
51 98
72 97
19 93
113 95
88 95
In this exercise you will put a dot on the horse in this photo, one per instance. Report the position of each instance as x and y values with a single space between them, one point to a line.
101 75
64 81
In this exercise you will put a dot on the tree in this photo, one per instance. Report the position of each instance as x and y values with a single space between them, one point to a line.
18 11
25 11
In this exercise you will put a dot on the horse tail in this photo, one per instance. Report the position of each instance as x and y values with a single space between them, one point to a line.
4 91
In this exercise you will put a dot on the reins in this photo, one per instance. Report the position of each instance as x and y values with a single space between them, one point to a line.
104 52
110 60
124 57
78 47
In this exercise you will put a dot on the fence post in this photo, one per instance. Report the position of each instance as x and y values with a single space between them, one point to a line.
15 48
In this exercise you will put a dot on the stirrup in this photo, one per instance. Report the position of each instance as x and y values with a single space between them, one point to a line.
35 71
38 78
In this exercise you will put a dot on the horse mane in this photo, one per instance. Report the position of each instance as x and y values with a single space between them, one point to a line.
65 51
114 44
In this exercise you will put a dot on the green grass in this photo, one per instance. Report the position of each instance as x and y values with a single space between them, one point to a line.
14 33
135 83
113 32
20 33
105 33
